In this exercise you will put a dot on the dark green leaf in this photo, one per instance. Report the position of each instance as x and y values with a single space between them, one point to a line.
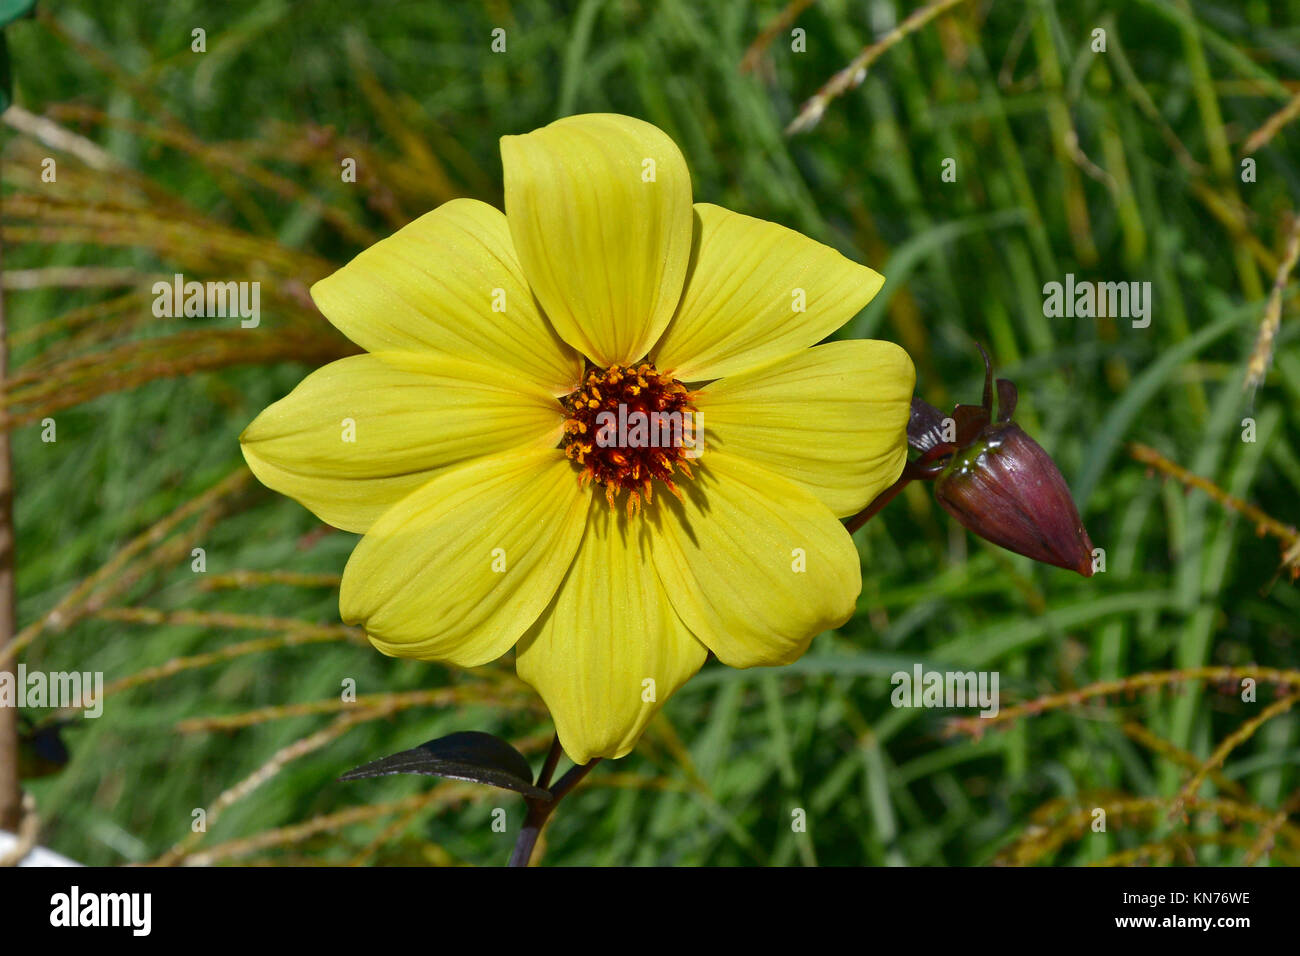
6 81
469 755
11 10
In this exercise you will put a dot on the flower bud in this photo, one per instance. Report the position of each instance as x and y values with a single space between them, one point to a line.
1005 488
997 481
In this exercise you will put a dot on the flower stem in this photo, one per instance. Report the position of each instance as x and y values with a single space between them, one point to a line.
925 468
539 811
11 797
548 768
871 510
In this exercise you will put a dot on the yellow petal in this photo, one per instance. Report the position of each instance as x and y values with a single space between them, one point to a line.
832 419
449 282
610 650
755 565
600 210
756 292
360 434
459 569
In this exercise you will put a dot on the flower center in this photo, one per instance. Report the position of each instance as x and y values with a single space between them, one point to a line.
629 426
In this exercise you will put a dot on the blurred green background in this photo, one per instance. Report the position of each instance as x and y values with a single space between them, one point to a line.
1123 165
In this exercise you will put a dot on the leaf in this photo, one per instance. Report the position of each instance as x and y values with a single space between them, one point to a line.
1007 397
6 81
469 755
971 420
925 426
10 10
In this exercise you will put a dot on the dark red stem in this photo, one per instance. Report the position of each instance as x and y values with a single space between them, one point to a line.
539 811
926 468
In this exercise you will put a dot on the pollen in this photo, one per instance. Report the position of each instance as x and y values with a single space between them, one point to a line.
628 426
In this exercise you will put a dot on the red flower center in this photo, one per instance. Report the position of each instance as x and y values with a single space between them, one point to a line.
629 426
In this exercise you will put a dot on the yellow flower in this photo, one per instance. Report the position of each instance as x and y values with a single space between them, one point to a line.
462 447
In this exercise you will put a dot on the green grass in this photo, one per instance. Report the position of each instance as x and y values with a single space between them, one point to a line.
717 777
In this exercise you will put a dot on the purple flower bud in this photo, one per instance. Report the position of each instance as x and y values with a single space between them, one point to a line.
1007 490
998 482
